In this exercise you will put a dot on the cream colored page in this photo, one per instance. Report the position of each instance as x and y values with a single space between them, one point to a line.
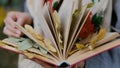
56 26
76 23
48 19
79 29
35 40
46 30
107 18
34 6
109 44
37 15
109 36
36 10
48 14
95 9
65 14
83 56
51 25
77 4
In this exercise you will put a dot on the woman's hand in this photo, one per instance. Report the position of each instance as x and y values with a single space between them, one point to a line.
19 17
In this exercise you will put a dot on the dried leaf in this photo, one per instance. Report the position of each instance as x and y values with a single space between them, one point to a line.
97 37
32 32
14 40
73 51
57 25
26 44
89 5
80 46
1 43
102 33
29 55
29 29
49 45
42 50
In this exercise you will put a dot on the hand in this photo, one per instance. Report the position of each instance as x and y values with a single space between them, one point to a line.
19 17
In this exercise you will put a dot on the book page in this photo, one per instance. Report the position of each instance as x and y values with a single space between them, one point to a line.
34 39
65 14
83 55
32 55
105 41
33 7
76 23
85 16
56 26
87 27
47 33
48 17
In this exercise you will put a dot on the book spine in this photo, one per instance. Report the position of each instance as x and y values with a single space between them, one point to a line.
70 66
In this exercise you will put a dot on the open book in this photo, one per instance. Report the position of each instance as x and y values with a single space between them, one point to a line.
66 33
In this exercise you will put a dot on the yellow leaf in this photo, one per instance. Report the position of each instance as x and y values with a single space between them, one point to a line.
29 55
49 45
80 46
1 43
91 46
101 33
73 51
33 33
97 37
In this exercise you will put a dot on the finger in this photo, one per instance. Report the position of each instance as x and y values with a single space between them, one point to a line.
13 15
10 33
9 21
23 19
15 30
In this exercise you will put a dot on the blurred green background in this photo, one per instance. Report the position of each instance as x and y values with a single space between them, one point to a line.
8 59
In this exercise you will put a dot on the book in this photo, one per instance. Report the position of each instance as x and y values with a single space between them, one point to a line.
65 32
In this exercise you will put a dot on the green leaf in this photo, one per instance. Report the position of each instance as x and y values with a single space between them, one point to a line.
43 50
26 44
97 21
90 5
14 40
76 13
93 1
55 5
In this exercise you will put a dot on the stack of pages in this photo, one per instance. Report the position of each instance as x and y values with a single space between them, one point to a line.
65 32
